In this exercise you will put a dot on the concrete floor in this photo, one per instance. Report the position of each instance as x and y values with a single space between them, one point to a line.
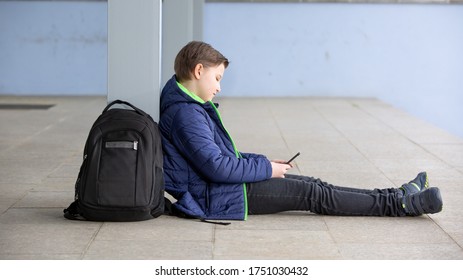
349 142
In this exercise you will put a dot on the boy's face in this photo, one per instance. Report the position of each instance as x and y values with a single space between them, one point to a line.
208 81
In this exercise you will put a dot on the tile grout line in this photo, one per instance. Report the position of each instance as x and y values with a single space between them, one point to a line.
333 239
350 142
427 151
360 107
275 120
446 233
84 252
213 242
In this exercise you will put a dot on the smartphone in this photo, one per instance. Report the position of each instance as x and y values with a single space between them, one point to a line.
295 156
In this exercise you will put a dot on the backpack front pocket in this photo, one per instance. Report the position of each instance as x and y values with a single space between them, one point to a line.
117 175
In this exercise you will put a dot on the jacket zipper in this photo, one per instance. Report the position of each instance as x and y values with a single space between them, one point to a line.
237 154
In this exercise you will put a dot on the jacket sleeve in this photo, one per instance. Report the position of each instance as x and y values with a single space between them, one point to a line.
251 155
194 139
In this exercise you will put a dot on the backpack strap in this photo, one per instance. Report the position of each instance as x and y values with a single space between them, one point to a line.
170 210
214 222
73 213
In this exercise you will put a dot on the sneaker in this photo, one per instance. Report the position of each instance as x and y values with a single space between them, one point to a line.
428 201
416 185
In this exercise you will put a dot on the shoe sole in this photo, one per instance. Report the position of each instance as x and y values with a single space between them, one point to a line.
432 201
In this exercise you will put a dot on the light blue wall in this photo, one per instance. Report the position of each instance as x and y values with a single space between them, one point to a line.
408 55
53 47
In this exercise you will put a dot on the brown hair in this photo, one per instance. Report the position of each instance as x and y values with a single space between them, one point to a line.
194 53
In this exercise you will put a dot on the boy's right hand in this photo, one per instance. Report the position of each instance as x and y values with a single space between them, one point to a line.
279 169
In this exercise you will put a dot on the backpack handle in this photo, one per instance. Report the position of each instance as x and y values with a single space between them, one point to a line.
118 101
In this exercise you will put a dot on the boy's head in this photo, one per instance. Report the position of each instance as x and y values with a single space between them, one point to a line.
195 53
200 68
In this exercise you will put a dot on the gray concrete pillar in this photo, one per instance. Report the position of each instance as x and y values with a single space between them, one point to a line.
134 53
182 22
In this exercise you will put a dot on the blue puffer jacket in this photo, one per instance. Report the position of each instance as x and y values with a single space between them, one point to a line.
203 169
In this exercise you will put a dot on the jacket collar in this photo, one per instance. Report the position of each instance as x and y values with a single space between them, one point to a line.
174 92
190 94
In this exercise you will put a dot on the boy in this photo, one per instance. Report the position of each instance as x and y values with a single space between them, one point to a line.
211 179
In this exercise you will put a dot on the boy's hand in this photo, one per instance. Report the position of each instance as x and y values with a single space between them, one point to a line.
282 162
279 168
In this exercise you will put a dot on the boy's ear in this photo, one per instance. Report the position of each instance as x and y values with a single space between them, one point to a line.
198 71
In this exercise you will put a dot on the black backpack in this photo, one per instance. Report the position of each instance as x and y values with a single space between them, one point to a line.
121 177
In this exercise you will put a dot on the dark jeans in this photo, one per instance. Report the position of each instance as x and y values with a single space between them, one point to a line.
309 194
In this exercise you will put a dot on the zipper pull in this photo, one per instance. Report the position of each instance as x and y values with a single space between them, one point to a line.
135 145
